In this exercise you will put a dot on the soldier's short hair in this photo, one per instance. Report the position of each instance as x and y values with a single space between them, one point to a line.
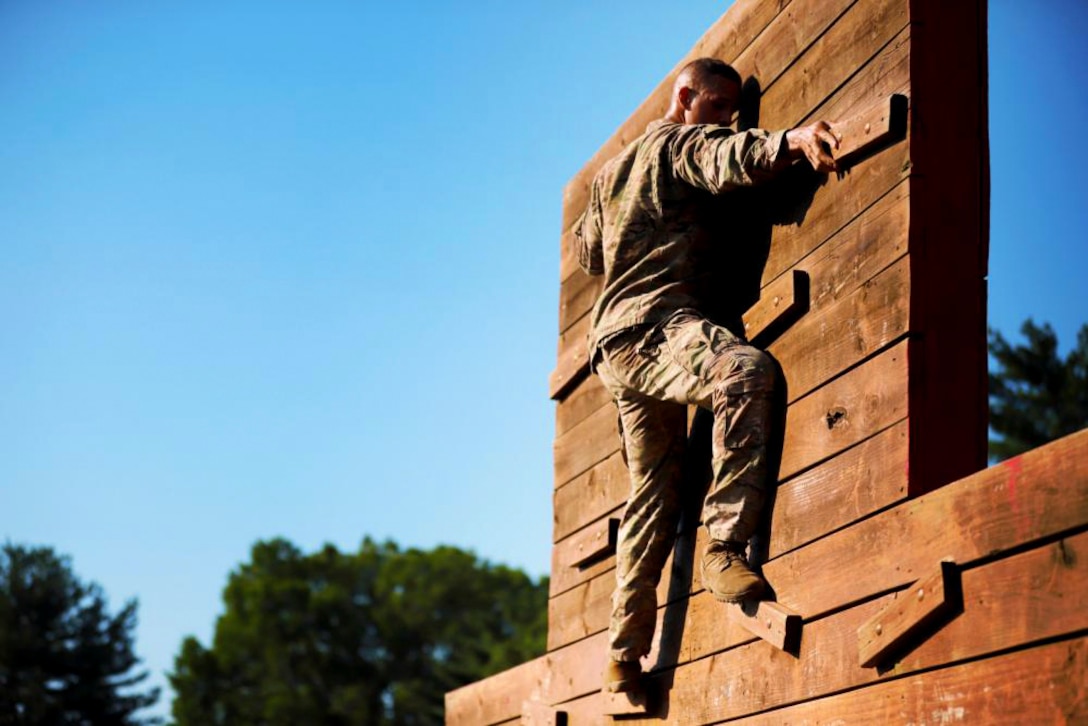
700 70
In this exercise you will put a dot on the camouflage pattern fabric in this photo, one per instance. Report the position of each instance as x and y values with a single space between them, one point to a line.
644 226
645 229
652 373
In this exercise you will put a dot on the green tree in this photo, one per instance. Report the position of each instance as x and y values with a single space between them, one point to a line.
1035 396
375 637
63 658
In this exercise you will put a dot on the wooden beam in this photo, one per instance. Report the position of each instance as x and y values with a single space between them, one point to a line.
535 713
595 542
909 615
573 364
779 304
770 621
880 124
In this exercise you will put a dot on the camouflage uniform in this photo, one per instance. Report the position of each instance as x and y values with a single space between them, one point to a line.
655 351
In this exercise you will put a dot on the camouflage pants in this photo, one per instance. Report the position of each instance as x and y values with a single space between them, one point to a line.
652 374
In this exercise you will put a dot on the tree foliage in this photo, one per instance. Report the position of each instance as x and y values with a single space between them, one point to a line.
1035 396
375 637
63 658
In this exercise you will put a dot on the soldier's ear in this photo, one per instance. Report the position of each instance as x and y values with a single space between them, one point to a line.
686 94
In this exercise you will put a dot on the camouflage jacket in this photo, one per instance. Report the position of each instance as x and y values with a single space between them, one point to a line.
643 227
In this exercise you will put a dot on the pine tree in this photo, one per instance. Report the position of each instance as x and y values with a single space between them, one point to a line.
1035 396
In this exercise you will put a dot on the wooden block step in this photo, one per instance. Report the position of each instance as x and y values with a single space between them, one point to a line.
912 613
770 621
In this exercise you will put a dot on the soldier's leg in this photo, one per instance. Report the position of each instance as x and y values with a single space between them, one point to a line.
654 438
735 381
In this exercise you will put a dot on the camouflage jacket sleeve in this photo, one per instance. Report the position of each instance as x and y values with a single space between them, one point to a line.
589 235
717 159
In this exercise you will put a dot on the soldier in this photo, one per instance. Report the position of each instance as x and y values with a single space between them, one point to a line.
655 350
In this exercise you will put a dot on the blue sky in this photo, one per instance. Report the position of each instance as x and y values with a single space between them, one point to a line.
291 269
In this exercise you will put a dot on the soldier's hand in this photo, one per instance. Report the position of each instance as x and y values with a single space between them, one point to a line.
814 144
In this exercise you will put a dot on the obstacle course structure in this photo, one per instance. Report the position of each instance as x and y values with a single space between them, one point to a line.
910 584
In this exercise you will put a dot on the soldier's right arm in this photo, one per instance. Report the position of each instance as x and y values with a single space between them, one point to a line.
717 159
589 235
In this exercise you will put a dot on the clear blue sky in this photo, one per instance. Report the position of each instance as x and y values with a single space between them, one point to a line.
277 268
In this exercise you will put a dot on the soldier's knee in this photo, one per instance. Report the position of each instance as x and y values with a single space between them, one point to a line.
749 370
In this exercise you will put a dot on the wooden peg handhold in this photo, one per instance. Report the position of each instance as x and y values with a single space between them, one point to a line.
780 304
881 122
595 542
911 612
770 621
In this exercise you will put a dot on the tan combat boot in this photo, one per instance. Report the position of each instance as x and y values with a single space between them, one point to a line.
726 574
622 675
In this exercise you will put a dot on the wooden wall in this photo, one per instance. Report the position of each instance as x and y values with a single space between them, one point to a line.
886 404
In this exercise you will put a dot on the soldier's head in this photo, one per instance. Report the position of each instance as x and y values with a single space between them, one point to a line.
706 91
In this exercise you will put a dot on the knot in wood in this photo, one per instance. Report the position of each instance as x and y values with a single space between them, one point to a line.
835 417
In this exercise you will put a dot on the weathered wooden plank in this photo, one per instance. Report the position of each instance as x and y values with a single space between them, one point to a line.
785 38
626 704
843 413
535 713
1037 496
593 440
730 35
770 621
584 610
577 294
573 365
568 254
836 203
948 238
594 542
864 479
581 611
821 345
584 399
916 608
846 411
1044 684
1048 598
874 126
842 197
591 495
855 38
779 303
499 697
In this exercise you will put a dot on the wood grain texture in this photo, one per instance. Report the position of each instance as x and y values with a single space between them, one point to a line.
876 125
1044 684
848 410
822 344
594 439
590 496
583 399
769 621
755 677
573 359
858 482
1033 498
535 713
850 44
594 542
917 607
